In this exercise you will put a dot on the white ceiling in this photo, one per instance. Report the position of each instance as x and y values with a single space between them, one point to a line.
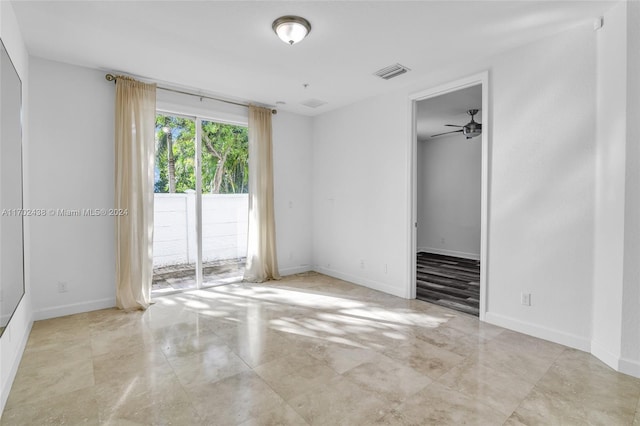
229 49
432 114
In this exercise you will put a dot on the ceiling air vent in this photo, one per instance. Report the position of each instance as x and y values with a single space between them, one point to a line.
391 71
313 103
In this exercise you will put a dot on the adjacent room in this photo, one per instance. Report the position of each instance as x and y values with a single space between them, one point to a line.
319 213
449 184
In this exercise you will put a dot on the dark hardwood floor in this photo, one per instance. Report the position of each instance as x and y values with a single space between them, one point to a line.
449 281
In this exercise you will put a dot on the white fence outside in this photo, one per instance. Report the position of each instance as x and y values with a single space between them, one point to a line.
224 228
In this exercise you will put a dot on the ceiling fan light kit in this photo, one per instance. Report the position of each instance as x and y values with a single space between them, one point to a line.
291 29
469 130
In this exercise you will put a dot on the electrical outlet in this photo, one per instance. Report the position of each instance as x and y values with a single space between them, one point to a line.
525 299
63 287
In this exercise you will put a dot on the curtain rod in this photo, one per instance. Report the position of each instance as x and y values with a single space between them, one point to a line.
111 77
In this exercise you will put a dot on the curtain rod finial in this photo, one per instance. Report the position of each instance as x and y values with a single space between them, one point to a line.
110 77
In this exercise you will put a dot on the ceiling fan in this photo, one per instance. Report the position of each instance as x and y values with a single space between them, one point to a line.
470 130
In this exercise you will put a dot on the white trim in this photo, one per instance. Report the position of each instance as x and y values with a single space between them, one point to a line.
74 308
412 166
615 361
605 355
292 270
372 284
550 334
462 254
482 79
14 366
198 172
630 367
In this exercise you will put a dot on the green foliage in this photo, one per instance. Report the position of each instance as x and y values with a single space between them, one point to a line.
228 145
223 145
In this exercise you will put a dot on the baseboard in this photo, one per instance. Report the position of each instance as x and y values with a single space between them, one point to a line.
75 308
623 365
556 336
295 270
14 367
372 284
605 355
629 367
453 253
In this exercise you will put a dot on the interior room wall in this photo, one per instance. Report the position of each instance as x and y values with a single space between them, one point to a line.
542 180
15 336
71 167
449 196
610 185
292 191
72 162
542 105
616 294
630 353
360 193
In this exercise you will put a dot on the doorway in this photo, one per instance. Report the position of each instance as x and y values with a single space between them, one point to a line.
449 202
200 203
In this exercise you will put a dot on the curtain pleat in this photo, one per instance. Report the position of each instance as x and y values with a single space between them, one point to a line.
262 262
134 149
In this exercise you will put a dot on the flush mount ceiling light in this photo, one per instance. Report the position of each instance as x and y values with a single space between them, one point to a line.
291 29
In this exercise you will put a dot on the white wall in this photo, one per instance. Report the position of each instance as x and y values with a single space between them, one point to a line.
542 101
15 336
360 193
449 196
542 179
292 191
71 167
630 353
610 185
72 162
616 317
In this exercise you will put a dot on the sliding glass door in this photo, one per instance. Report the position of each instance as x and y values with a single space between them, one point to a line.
200 205
225 202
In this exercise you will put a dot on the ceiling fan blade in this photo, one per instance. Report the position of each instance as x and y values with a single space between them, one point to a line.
453 125
446 133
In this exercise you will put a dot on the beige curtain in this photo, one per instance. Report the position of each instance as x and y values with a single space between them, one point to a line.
262 263
134 140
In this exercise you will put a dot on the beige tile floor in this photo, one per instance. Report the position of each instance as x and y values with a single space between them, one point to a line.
306 350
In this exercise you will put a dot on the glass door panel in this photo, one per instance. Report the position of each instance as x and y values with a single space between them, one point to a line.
225 202
175 237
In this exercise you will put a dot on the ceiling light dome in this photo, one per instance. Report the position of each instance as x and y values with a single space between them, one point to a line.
291 29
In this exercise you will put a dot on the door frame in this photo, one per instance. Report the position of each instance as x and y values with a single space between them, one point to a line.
198 119
482 79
